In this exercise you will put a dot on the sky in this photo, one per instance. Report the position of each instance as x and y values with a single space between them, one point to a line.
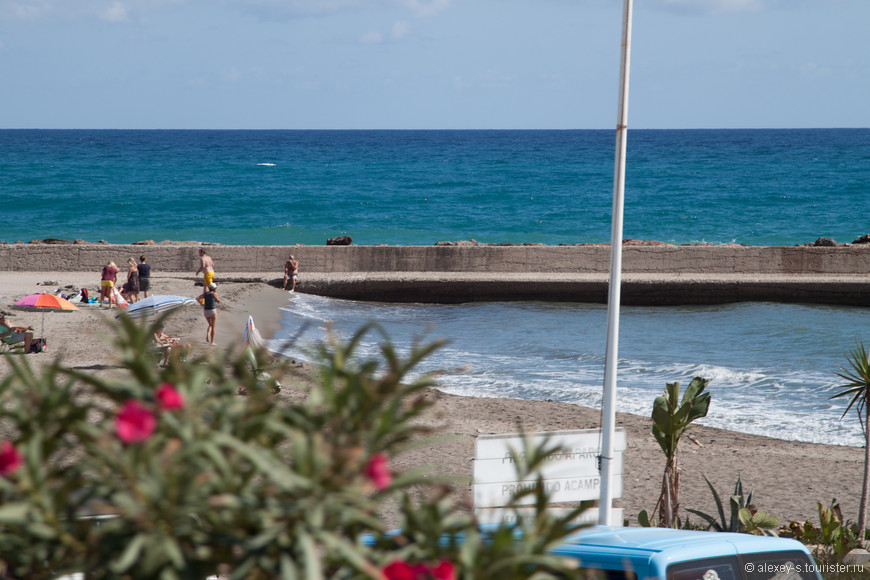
431 64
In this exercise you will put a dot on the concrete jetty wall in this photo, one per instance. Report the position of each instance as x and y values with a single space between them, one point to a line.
461 273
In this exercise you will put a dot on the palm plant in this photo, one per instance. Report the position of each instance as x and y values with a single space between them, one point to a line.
857 386
671 418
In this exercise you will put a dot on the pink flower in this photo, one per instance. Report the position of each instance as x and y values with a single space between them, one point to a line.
134 423
10 458
444 571
378 471
401 570
169 398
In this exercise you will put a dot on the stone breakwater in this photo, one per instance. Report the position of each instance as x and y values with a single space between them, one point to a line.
652 274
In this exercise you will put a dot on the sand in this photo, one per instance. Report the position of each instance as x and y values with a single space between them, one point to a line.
787 478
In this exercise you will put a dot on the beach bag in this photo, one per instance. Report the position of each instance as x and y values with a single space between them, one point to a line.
37 345
84 294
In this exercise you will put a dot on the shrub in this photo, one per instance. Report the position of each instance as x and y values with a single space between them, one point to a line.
834 536
197 479
744 517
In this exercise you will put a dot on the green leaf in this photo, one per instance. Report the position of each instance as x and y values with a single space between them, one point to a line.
643 519
173 551
311 558
14 513
288 568
42 531
130 555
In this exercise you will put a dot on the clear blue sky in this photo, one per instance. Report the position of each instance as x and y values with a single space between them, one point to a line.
431 64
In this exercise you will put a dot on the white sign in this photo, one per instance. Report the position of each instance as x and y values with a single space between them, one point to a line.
571 475
589 516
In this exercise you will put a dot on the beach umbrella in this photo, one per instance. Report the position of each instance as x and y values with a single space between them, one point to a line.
156 304
44 302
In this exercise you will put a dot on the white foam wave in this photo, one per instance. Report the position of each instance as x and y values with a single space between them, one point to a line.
526 352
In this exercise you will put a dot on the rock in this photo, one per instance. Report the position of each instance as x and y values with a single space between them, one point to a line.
865 239
825 242
339 241
633 242
80 241
459 243
185 243
857 556
56 241
145 243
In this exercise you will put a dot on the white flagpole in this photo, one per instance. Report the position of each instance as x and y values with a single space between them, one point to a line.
608 404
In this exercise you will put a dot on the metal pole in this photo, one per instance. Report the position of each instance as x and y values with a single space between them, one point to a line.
608 404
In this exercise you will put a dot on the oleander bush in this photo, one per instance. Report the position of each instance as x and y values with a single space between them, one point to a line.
169 473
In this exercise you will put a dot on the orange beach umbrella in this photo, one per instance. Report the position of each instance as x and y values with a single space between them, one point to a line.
44 302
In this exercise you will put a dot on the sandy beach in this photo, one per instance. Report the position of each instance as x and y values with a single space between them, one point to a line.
787 478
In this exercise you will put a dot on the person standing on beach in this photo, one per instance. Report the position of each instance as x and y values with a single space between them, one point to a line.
291 271
108 277
130 291
206 266
210 300
144 276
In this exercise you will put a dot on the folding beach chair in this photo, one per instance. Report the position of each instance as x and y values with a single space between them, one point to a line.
10 344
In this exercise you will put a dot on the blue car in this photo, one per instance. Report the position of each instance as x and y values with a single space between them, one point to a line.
613 553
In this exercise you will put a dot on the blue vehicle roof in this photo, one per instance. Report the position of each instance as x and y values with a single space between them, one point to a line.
647 550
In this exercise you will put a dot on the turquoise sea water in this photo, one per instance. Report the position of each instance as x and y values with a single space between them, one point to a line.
756 187
771 366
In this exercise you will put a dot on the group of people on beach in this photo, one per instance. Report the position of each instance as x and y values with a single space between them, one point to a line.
138 281
138 284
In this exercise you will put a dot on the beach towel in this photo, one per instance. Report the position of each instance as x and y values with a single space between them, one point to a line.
118 299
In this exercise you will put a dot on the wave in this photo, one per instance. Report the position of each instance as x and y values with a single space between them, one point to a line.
535 351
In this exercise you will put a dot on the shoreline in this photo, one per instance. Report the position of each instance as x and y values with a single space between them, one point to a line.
787 478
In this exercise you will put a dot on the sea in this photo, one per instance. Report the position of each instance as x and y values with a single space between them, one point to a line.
772 367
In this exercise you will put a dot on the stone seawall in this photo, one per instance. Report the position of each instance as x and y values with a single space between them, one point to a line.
651 274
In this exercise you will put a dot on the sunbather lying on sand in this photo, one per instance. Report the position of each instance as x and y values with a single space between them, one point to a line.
173 346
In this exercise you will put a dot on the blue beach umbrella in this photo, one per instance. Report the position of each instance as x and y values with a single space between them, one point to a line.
156 304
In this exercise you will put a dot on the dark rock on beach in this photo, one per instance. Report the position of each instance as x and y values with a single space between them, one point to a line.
633 242
339 241
459 243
